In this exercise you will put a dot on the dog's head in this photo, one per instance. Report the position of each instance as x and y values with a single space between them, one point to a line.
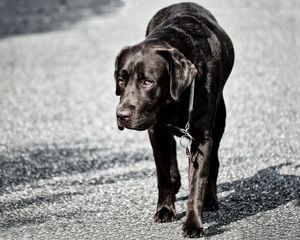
148 75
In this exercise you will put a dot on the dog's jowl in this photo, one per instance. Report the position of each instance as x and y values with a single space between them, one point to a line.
171 84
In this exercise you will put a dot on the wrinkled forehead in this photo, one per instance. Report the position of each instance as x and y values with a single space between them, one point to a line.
143 61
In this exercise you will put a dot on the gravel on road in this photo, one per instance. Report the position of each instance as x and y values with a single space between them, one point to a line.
66 172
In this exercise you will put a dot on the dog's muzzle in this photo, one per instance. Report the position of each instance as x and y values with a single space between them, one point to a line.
123 117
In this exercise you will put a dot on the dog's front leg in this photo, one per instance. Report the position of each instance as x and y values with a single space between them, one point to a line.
198 180
168 178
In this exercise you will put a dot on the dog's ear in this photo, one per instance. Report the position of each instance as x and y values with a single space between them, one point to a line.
123 51
181 71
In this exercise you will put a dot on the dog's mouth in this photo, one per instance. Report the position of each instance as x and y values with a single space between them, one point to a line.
140 124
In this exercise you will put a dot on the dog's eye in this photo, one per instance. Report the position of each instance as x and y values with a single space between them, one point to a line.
147 82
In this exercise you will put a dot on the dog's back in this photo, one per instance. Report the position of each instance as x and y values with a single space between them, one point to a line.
177 10
194 31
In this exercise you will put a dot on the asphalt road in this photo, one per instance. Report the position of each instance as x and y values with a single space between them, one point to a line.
66 172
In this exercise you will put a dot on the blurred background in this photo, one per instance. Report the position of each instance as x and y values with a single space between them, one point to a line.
66 172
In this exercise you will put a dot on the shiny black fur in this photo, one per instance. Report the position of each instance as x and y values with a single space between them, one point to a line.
183 41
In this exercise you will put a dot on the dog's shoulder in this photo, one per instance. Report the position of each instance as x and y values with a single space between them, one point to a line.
185 26
194 31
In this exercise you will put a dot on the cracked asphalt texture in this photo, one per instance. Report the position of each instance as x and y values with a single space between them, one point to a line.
66 172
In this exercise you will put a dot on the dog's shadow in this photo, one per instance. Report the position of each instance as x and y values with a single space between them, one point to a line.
266 190
239 199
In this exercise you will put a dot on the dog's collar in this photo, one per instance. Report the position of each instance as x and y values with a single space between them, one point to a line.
191 103
186 139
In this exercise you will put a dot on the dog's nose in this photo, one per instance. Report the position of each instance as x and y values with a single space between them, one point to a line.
123 114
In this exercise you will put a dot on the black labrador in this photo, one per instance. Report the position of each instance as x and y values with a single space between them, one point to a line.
184 47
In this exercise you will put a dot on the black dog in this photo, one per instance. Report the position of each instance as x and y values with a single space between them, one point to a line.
182 65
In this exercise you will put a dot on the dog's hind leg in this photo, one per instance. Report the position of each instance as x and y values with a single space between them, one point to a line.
211 200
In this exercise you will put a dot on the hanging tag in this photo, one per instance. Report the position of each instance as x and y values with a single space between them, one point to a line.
185 141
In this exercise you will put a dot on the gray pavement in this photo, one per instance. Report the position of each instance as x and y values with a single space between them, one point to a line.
66 172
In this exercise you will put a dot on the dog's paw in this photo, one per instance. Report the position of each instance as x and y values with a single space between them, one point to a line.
211 204
192 228
165 214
